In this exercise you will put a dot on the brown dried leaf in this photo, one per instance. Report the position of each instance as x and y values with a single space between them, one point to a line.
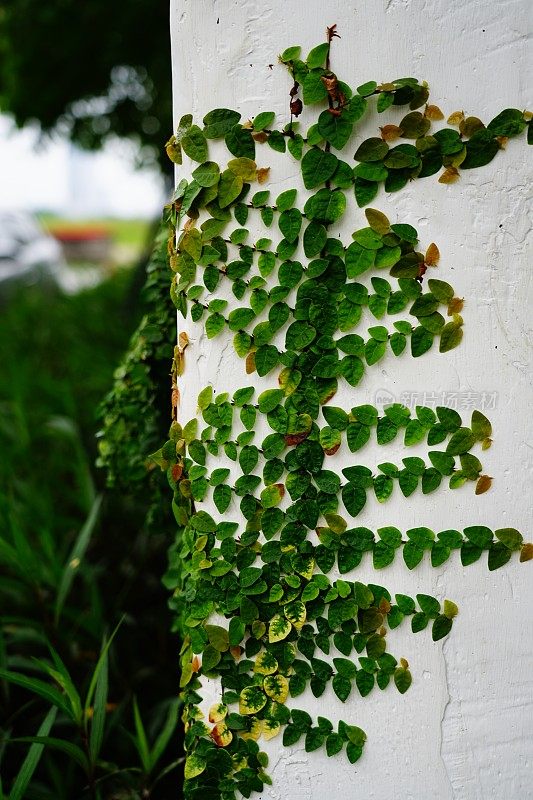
248 125
502 141
455 306
456 118
526 553
177 472
433 113
483 484
183 341
250 363
296 107
384 605
432 255
262 174
450 175
389 133
261 137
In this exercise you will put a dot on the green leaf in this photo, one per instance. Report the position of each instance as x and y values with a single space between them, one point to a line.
315 236
318 167
354 498
480 425
335 129
141 740
365 191
342 687
374 149
402 679
450 336
229 188
374 351
429 605
317 56
421 341
314 738
266 358
30 763
460 442
76 556
510 537
480 149
314 90
207 174
291 735
240 143
219 121
263 120
286 200
499 555
334 744
40 688
194 144
509 122
290 222
290 54
73 752
99 711
441 627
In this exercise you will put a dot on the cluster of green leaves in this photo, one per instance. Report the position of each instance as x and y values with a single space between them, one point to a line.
132 412
298 283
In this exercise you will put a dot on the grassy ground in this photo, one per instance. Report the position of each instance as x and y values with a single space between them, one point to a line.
59 355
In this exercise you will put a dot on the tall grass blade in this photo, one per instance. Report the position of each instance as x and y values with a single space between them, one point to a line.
32 759
76 555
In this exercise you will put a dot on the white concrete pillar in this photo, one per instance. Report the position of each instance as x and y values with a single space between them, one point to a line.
464 730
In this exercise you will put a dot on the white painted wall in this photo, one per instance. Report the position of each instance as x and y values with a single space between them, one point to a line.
464 731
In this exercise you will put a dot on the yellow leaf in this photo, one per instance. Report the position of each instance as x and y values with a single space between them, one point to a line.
296 614
221 735
276 687
265 663
251 700
254 732
279 629
456 118
486 443
433 112
432 255
270 728
377 220
450 609
218 712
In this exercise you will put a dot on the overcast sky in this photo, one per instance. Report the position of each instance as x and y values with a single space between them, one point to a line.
57 177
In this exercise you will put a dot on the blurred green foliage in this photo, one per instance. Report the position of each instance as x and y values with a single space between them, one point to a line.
89 71
77 559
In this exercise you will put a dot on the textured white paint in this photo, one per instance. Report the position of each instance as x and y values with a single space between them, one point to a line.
464 731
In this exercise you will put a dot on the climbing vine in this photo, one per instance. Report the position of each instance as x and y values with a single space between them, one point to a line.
256 605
